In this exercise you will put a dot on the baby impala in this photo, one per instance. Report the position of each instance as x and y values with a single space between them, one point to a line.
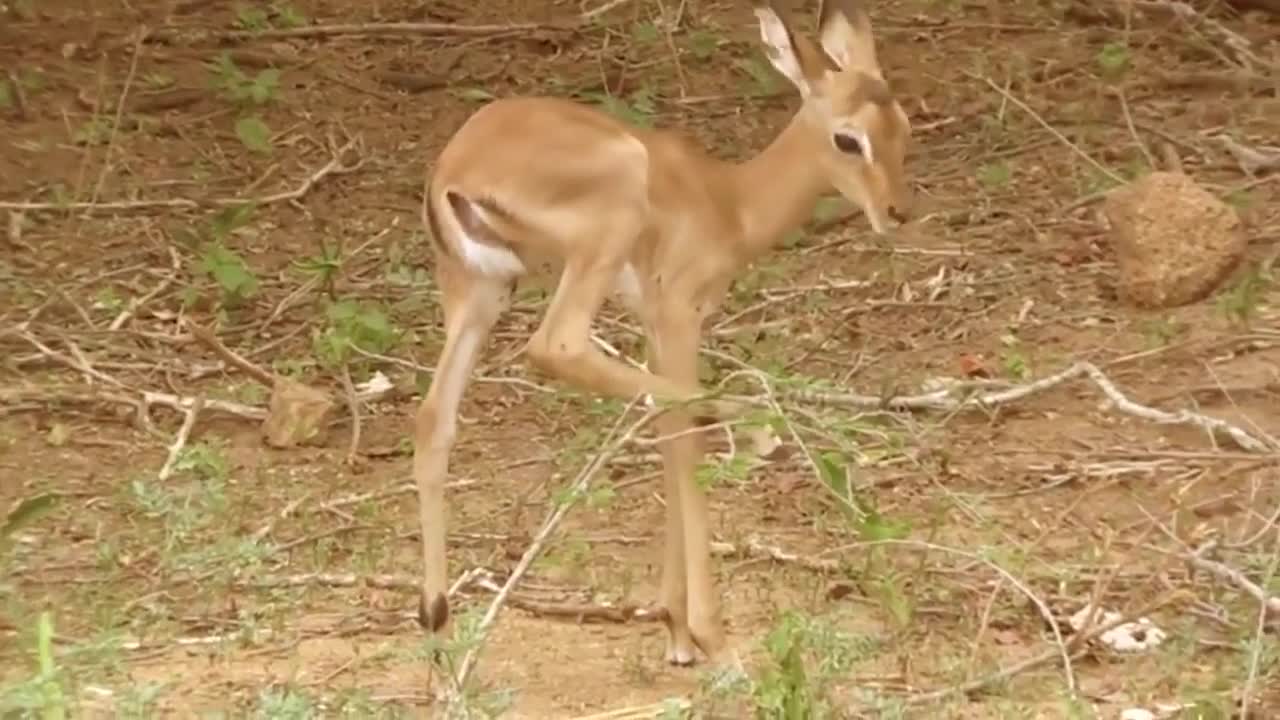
650 217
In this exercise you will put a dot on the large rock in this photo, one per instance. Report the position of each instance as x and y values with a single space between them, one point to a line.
1174 241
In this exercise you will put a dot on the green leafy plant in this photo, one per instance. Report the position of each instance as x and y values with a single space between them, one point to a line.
1113 59
229 270
43 695
94 131
254 134
25 513
256 18
1239 303
764 80
287 16
241 89
324 267
1012 359
247 93
637 108
353 324
251 17
218 262
994 175
805 656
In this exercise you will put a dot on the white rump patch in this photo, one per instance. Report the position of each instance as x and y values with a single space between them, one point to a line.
487 259
483 258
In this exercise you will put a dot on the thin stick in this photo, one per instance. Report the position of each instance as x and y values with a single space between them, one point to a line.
77 364
335 166
1260 629
946 399
1060 651
1270 604
115 123
353 401
178 402
1056 133
136 303
423 29
229 356
553 520
1133 130
180 440
1037 660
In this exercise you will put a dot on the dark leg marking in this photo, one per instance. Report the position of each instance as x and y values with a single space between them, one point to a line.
434 616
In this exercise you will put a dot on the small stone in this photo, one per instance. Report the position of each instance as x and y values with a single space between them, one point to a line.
298 414
1175 243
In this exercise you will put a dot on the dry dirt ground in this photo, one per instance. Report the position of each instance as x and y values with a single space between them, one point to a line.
247 581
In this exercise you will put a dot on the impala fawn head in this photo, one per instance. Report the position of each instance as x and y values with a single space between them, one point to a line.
860 130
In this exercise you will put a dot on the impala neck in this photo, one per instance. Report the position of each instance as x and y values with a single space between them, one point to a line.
776 191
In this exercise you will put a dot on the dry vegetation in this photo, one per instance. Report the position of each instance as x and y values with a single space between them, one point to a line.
883 561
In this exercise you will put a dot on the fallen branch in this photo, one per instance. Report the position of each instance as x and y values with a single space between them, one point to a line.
1060 650
184 404
398 583
576 489
336 166
755 549
136 303
1043 658
79 363
671 707
1233 40
1235 577
578 612
946 399
418 29
1251 160
180 440
208 339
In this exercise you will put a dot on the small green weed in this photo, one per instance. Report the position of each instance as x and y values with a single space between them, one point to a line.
994 175
1239 303
353 324
44 695
236 281
247 94
1113 60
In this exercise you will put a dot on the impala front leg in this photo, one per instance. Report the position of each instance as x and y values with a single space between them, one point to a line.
674 595
676 337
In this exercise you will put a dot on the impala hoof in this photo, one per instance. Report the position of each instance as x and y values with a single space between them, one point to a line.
680 657
434 615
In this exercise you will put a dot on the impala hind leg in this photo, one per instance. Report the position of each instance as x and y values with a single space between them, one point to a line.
472 305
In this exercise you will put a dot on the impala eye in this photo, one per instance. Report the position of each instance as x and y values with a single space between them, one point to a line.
848 144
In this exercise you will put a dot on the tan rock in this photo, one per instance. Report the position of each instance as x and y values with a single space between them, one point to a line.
1174 241
299 414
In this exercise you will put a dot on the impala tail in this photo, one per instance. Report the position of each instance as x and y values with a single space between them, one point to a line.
478 232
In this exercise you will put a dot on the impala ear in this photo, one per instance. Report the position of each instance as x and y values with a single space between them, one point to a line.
792 55
845 30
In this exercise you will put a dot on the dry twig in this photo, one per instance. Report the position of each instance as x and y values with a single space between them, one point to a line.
180 440
1271 603
953 399
576 489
